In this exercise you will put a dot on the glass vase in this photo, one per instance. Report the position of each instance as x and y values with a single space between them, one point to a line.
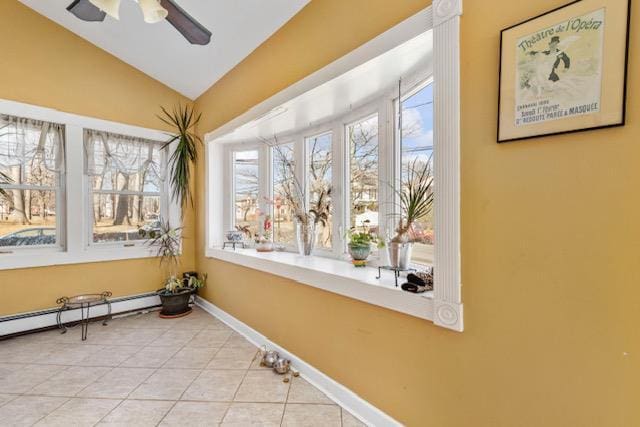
305 237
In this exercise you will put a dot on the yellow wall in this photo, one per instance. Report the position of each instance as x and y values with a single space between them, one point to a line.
550 251
41 63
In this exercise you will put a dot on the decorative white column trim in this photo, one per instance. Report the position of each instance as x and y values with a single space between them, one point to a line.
443 10
446 50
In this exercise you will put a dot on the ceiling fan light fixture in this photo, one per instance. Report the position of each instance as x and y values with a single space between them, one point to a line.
152 11
111 7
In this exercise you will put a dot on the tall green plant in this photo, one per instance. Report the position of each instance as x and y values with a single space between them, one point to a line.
416 198
184 120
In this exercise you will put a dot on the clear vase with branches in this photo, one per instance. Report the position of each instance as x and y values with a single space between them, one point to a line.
307 214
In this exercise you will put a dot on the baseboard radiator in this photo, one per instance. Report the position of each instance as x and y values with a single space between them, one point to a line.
45 319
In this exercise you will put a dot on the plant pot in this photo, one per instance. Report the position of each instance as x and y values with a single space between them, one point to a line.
359 252
175 304
264 247
383 257
306 237
400 254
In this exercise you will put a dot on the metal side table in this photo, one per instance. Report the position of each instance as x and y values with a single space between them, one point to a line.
84 303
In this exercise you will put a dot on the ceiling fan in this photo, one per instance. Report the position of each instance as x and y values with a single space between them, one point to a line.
153 11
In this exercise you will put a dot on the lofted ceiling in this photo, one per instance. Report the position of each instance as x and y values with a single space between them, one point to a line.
340 95
158 50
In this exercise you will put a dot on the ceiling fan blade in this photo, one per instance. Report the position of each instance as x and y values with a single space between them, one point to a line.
191 29
84 10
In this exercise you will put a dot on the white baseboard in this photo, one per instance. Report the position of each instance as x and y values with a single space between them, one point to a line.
36 320
356 405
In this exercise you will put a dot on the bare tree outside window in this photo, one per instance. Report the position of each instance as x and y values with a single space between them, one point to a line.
246 178
31 159
364 160
319 149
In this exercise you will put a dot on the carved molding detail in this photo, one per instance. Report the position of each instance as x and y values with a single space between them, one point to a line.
443 10
448 315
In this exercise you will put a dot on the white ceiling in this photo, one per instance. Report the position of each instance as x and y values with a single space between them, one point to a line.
238 27
343 94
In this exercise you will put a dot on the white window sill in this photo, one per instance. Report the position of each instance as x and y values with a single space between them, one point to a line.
44 257
335 276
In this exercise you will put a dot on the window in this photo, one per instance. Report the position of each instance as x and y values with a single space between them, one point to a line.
32 165
284 193
319 184
362 138
416 152
126 181
246 187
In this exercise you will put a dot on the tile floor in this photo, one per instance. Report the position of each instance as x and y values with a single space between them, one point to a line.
145 371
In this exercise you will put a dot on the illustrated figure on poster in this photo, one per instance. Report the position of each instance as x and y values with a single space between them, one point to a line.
548 63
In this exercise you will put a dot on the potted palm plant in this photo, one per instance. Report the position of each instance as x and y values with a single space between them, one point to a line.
416 203
183 119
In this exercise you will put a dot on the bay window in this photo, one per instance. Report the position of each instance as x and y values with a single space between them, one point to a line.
32 166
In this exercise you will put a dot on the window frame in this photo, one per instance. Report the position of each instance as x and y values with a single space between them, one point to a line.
76 248
444 306
165 206
60 190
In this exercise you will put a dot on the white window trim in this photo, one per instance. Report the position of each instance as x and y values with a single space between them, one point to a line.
76 246
444 307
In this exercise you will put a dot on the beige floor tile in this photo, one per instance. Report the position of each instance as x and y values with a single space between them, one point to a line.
22 351
165 384
176 338
303 392
69 382
67 354
214 385
304 415
117 383
110 355
150 357
18 378
233 358
349 420
138 413
5 398
195 414
210 338
79 412
262 386
27 410
237 340
143 321
191 358
134 336
254 414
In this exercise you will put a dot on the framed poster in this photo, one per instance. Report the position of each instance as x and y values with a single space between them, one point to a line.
564 71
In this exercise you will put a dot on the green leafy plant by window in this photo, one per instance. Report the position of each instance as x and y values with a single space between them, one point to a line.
184 120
